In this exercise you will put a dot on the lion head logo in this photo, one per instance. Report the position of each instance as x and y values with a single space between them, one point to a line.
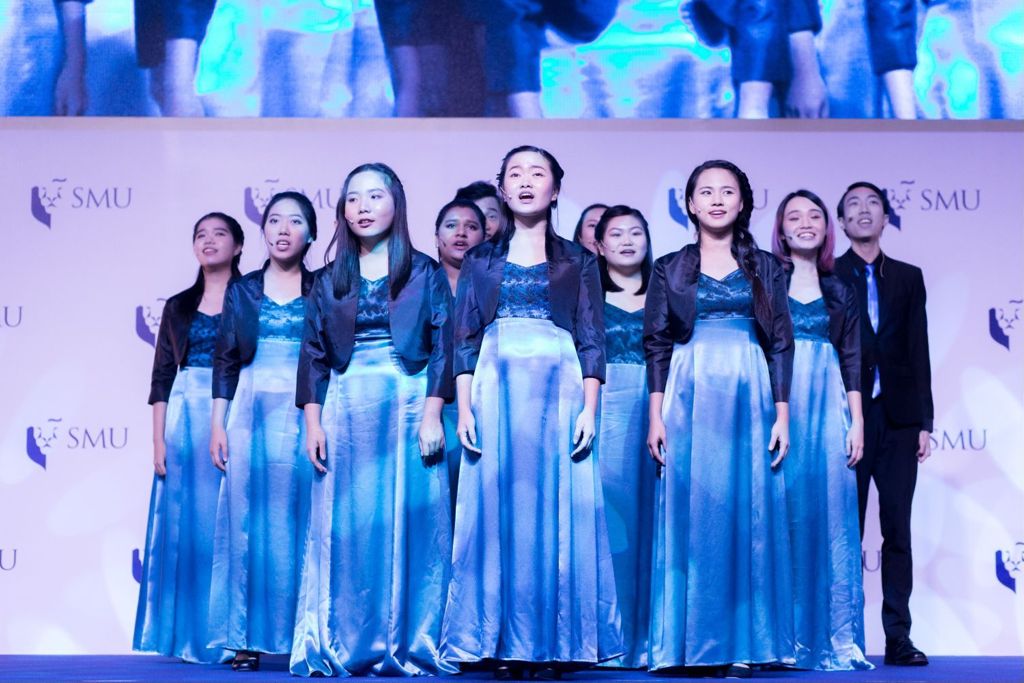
147 321
45 199
1002 321
256 200
1010 566
677 205
899 199
38 441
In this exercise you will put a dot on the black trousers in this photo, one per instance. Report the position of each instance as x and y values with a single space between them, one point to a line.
890 458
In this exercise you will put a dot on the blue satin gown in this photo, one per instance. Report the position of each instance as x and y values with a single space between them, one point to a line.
263 512
628 476
821 493
721 584
172 618
378 555
532 576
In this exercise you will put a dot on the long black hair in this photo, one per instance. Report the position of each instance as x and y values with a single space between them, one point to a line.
744 247
194 293
345 266
577 234
646 267
556 173
305 206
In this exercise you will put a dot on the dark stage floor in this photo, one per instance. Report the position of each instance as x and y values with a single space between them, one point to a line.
147 668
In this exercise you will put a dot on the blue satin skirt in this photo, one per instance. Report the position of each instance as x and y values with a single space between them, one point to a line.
821 493
628 476
378 554
452 448
532 576
172 618
263 511
721 583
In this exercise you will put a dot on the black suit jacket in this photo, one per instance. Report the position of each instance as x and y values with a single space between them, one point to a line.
900 347
671 310
172 343
420 322
240 328
577 301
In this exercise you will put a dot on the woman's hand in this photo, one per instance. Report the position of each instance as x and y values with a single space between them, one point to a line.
656 440
219 448
779 439
854 443
160 457
316 447
431 436
467 430
583 434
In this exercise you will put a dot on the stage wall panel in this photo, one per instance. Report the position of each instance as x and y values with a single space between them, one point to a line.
97 226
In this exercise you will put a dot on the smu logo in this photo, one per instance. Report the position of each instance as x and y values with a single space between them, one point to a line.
147 321
43 439
136 566
904 196
960 440
1003 320
677 204
257 197
10 316
58 195
8 559
1010 566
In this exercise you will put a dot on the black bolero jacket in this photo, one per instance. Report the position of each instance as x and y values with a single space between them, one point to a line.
577 301
420 321
843 325
240 328
172 343
671 310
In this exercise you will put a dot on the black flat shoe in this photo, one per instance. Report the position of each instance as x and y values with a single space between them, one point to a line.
507 672
246 661
547 673
737 671
901 652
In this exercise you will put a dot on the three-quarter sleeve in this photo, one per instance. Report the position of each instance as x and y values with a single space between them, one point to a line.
779 349
849 343
469 326
658 340
892 34
589 323
227 357
165 366
314 371
439 368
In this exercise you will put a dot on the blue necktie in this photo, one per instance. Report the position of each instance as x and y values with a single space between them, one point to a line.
872 288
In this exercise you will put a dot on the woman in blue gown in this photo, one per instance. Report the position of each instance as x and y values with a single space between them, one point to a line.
459 227
719 345
263 509
532 586
373 376
172 618
627 473
827 430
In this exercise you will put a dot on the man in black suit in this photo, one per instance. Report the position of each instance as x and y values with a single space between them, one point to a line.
896 386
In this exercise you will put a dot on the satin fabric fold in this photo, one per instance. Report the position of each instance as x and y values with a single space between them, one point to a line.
532 576
377 555
452 449
721 581
821 494
628 476
263 510
172 618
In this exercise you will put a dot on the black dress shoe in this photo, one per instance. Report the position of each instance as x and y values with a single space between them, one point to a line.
901 652
508 672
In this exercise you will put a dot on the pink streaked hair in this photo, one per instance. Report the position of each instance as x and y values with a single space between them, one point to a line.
826 254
